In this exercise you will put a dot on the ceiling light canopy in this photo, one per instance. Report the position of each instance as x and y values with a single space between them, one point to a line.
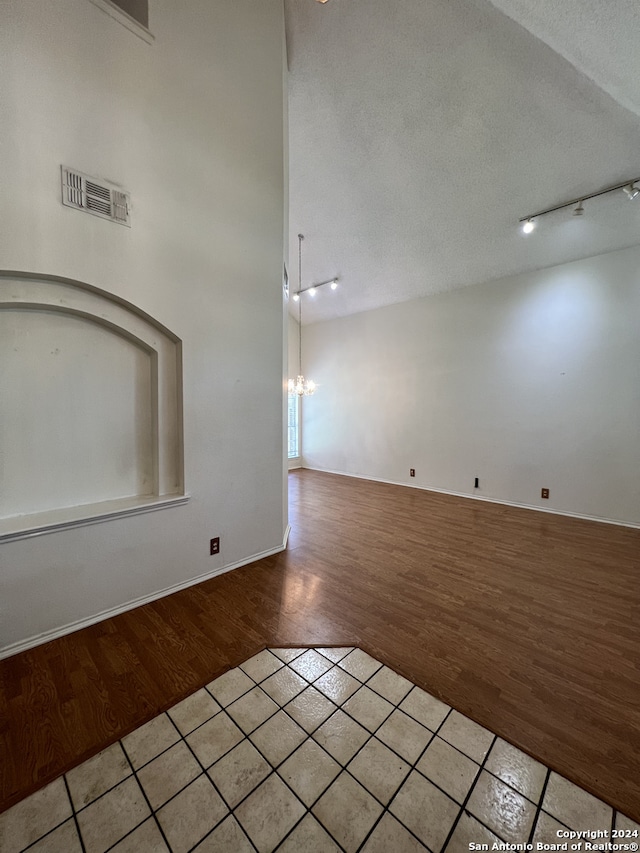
628 187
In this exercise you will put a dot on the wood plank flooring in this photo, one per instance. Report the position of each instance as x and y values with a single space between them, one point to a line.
524 621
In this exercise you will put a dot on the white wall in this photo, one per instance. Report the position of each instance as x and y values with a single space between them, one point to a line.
293 370
192 126
528 382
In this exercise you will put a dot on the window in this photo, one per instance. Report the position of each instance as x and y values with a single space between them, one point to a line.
292 426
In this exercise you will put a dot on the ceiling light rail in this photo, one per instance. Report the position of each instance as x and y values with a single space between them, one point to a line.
628 187
302 387
313 287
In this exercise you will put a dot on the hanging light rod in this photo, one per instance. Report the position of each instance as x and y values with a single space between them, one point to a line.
301 387
627 186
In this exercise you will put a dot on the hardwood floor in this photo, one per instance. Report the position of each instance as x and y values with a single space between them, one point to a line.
524 621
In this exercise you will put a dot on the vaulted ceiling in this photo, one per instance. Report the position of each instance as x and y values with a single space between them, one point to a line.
421 131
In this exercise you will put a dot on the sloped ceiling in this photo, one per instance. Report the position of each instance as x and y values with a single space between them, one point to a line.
421 131
599 37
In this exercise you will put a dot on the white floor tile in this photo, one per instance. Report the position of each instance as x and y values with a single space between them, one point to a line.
187 818
112 816
347 811
575 807
425 810
34 816
449 769
269 813
503 810
466 736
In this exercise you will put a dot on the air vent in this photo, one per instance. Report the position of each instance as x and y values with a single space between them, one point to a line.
95 196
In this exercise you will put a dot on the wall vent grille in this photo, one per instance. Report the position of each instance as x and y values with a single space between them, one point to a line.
95 196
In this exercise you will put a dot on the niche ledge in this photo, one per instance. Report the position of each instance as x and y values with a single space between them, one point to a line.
28 526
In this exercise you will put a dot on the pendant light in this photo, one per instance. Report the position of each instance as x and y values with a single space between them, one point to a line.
301 387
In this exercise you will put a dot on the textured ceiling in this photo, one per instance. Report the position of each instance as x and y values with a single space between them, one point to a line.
599 37
421 131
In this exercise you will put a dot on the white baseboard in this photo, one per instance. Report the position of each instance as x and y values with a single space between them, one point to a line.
602 520
47 636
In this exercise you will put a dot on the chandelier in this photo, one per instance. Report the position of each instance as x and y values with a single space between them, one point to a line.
302 387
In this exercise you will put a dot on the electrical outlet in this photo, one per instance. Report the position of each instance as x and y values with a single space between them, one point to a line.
412 472
544 493
214 546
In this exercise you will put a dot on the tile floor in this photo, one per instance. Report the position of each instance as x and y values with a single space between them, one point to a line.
306 751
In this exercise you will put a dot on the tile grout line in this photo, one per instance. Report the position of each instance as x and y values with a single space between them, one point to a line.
144 794
55 828
308 736
206 773
131 775
468 797
371 736
246 737
536 817
274 769
74 813
412 768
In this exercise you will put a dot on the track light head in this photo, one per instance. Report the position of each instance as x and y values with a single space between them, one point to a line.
296 297
632 191
311 291
334 284
578 210
528 226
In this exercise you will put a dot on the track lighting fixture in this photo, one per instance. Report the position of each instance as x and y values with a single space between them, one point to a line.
300 386
629 188
313 288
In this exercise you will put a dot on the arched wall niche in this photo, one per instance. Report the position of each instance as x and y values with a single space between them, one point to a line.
90 407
